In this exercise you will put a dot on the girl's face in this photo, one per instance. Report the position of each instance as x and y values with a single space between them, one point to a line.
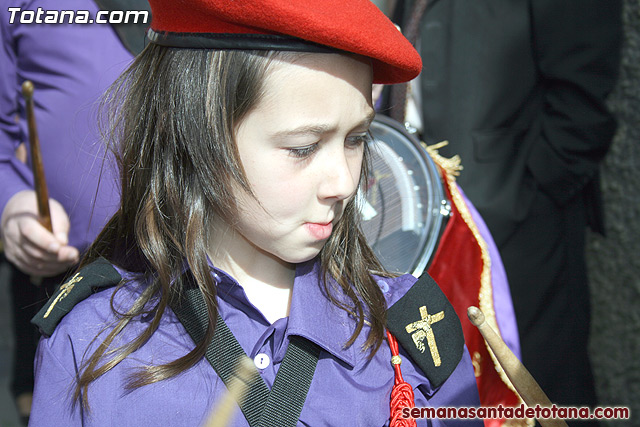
301 148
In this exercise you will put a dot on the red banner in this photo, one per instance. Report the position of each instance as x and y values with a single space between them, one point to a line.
462 268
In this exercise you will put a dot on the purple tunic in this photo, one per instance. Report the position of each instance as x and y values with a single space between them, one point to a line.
70 65
347 389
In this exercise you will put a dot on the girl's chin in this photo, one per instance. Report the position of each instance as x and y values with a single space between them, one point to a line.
304 255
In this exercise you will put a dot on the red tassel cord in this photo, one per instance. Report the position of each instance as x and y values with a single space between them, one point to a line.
402 392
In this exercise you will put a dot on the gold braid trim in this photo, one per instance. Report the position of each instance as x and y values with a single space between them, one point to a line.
452 167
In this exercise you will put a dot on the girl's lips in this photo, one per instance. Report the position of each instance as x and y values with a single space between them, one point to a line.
319 231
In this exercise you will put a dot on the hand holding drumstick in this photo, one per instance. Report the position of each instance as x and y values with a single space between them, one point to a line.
34 228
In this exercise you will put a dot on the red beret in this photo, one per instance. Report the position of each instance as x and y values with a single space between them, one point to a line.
356 26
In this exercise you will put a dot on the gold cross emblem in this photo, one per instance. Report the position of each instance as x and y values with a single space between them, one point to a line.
421 329
476 361
63 292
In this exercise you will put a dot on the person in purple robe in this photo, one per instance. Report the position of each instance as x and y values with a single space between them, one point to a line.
70 66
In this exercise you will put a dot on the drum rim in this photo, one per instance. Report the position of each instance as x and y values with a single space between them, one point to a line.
426 253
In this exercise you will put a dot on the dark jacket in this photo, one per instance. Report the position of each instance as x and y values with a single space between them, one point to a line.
518 88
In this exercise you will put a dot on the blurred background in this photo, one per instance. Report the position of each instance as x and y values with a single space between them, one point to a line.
614 260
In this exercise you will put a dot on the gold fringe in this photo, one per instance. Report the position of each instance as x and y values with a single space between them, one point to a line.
452 167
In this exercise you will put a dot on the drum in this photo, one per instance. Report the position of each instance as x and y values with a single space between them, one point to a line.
405 208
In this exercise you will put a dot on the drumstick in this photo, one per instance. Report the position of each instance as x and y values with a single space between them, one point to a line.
521 379
42 194
224 409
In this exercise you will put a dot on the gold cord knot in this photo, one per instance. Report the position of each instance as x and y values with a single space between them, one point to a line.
452 166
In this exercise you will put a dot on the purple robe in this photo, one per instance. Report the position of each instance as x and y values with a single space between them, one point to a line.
70 65
347 388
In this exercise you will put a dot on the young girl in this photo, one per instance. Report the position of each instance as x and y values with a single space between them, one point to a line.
242 143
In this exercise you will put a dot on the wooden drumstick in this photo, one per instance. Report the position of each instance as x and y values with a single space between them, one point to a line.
40 183
522 380
224 409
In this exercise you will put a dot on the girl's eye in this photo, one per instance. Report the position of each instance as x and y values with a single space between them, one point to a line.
303 152
358 140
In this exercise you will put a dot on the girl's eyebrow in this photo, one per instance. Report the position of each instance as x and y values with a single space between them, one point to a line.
304 130
318 129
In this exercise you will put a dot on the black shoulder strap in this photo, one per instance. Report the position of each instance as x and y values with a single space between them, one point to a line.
89 279
292 384
223 352
279 407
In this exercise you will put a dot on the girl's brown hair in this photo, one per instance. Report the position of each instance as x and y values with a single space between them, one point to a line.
173 118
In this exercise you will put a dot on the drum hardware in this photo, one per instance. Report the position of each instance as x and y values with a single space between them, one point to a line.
404 208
